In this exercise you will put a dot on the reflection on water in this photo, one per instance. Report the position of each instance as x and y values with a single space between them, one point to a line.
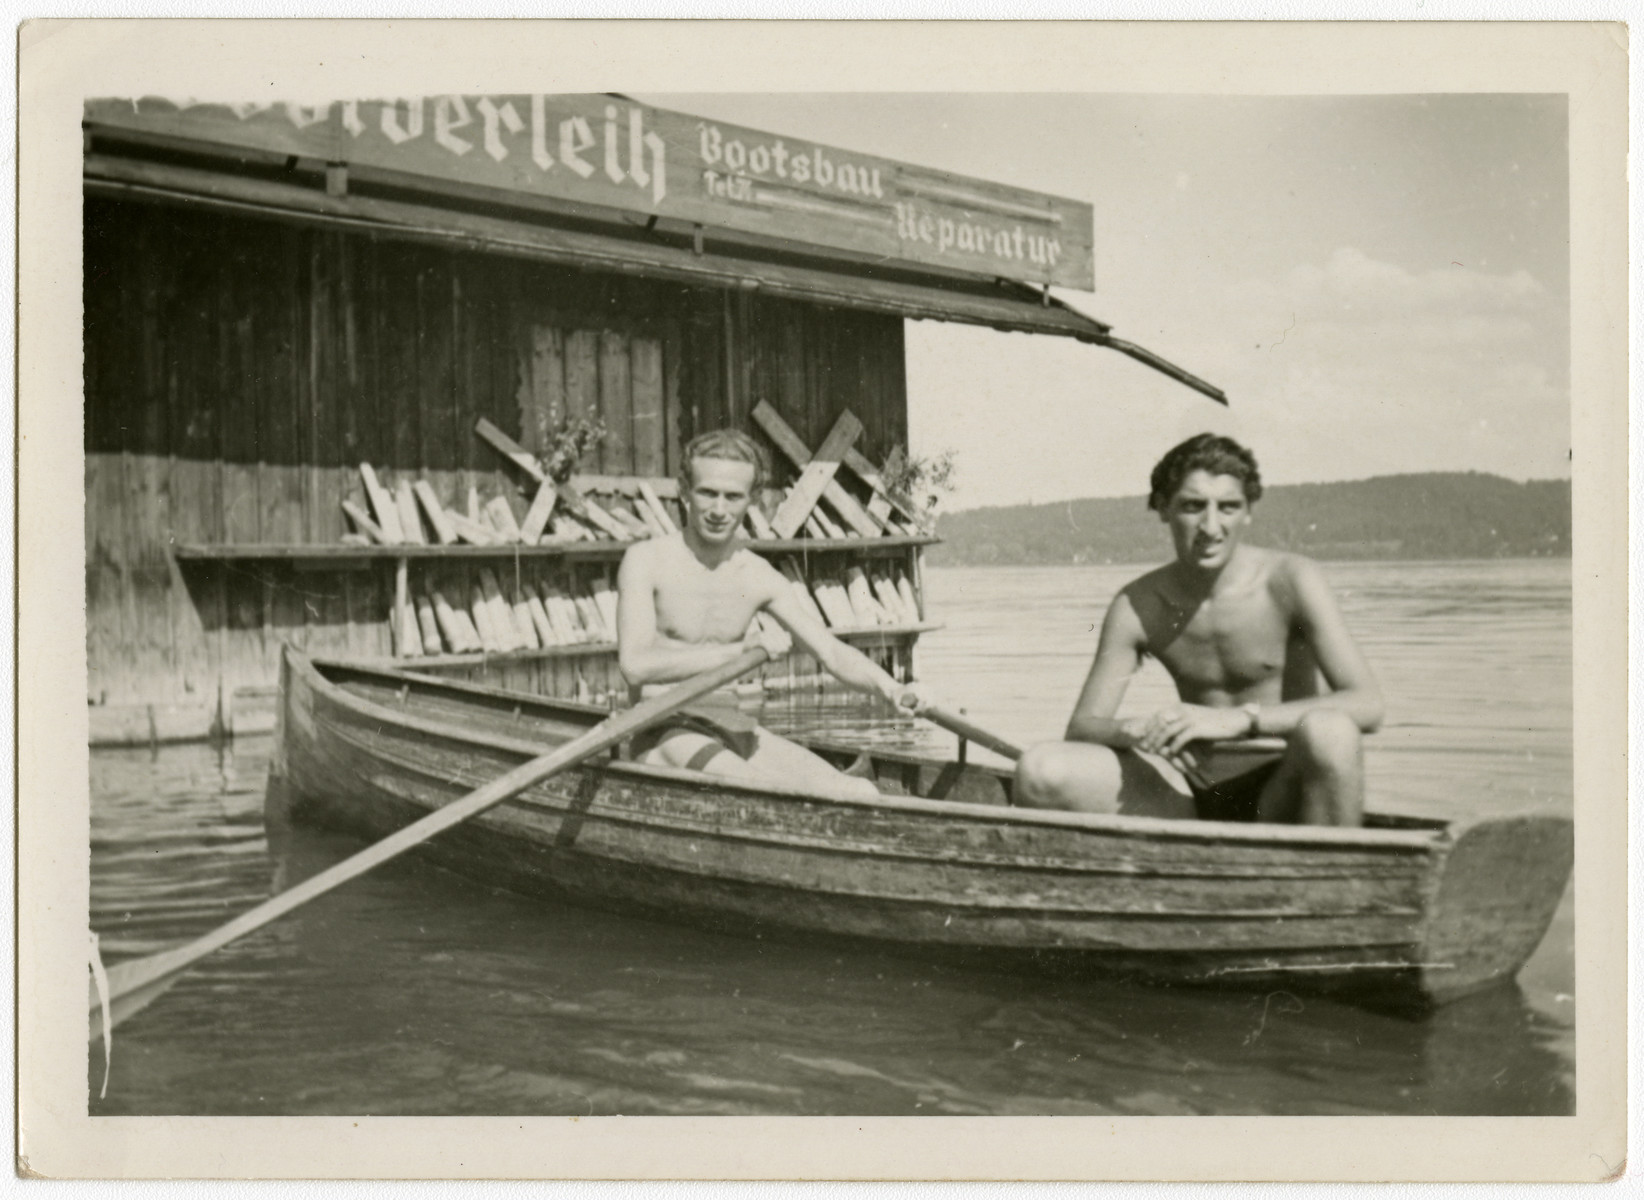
412 991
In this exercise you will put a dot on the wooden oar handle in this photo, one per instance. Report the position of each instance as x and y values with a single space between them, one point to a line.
954 723
1259 745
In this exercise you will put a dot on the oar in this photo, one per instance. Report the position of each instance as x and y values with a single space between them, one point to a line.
957 724
954 723
133 985
1254 745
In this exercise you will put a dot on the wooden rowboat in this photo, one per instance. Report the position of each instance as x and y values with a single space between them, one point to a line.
1404 912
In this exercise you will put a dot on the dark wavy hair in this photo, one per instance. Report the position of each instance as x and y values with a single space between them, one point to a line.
1204 452
730 444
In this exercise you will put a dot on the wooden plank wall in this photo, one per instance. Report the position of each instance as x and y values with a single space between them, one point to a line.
237 371
811 363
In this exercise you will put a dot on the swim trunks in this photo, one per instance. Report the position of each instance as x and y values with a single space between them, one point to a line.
713 716
1235 798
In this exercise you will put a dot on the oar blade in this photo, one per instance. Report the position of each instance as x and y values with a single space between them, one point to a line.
130 1001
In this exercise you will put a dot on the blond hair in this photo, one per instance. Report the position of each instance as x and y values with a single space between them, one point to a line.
731 445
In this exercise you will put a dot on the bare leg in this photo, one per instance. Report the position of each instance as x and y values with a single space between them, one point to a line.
775 760
1084 777
1321 779
781 761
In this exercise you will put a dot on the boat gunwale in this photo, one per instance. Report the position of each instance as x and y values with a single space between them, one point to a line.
1290 837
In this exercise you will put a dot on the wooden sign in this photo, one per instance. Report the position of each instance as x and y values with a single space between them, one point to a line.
601 150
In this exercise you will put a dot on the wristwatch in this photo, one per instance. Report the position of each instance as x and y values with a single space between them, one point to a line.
1254 712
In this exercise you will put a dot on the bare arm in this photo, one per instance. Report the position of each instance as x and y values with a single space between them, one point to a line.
847 663
1118 656
645 654
1353 688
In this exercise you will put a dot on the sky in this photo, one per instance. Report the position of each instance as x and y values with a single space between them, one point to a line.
1379 283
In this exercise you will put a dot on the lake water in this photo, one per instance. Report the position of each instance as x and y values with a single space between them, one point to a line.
411 991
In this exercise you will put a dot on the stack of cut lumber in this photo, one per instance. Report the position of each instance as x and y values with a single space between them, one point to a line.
498 613
627 508
855 598
411 514
819 505
634 507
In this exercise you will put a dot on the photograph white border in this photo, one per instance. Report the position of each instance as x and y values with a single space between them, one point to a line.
62 62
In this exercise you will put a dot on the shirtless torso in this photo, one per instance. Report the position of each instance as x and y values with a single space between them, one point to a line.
699 604
1245 642
1246 633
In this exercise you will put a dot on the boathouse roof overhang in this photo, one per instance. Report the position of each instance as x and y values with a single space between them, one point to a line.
378 203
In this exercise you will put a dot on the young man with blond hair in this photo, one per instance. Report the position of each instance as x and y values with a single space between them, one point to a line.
696 599
1245 632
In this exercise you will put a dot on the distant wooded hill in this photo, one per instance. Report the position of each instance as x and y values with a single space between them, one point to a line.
1467 515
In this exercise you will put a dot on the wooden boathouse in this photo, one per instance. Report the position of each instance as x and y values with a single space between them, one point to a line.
276 295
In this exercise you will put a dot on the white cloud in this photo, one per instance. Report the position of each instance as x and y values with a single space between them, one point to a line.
1354 299
1350 282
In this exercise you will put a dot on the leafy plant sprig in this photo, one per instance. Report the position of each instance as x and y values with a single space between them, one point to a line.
923 481
568 442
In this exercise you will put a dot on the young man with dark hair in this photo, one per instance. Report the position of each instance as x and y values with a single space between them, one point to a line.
696 599
1245 632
